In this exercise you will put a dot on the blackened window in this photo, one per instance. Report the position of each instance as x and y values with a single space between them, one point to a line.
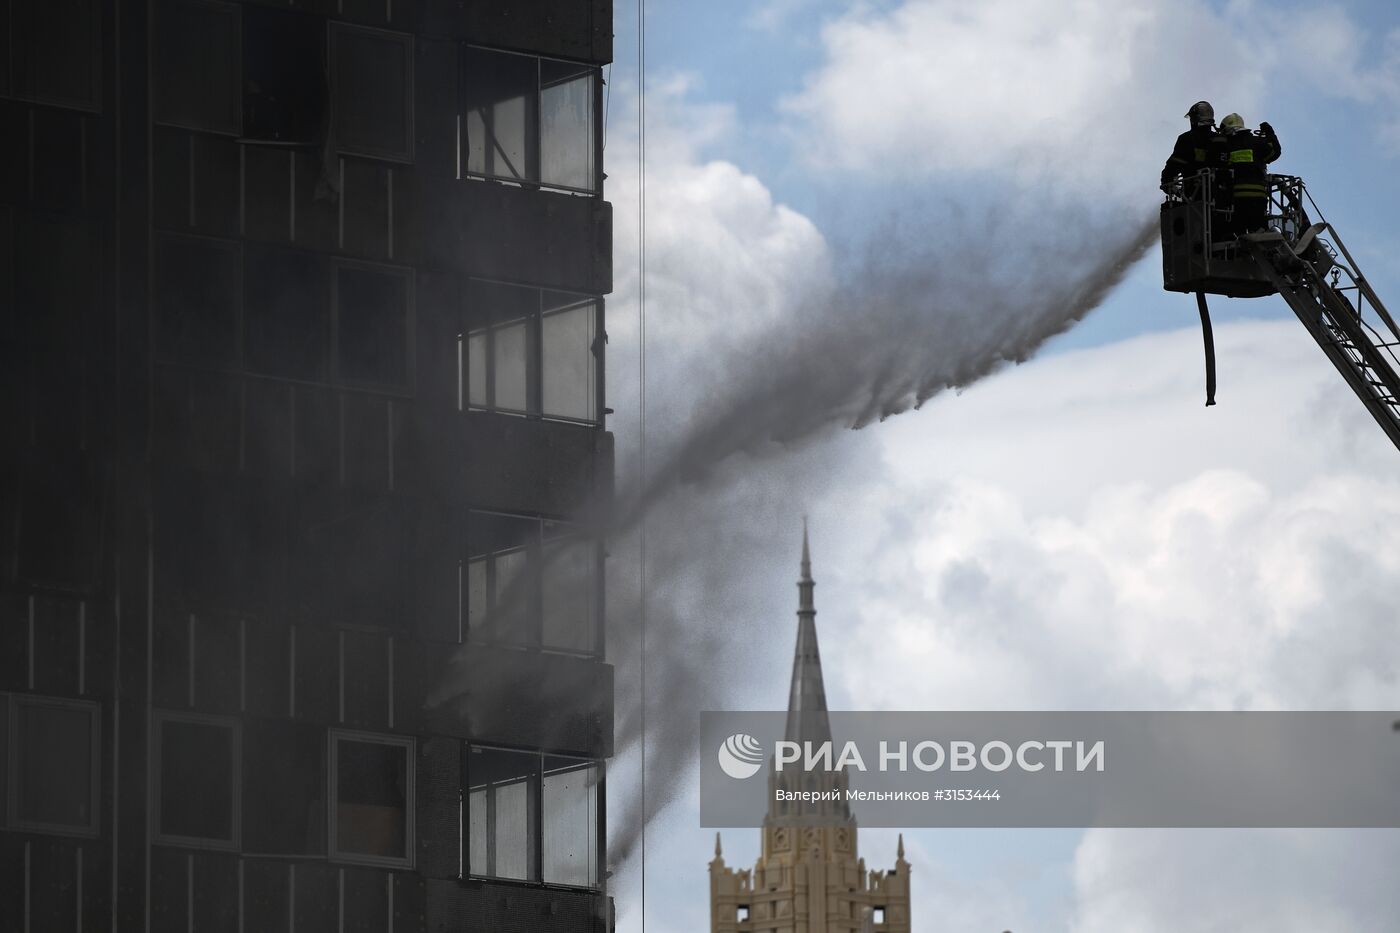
532 817
373 79
55 769
197 65
284 76
531 351
53 44
373 325
531 583
372 798
286 314
528 119
284 782
198 287
198 780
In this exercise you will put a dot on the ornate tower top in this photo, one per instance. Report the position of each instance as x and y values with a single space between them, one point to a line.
810 877
807 719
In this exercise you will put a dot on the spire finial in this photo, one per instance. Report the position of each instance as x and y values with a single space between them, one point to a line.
805 603
899 853
718 853
806 553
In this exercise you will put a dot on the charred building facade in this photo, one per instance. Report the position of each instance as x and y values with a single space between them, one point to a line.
301 393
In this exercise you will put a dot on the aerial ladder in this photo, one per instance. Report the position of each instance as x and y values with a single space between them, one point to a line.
1299 256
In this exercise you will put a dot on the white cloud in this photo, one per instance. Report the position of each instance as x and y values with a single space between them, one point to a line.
1083 91
1288 881
1081 532
771 15
725 261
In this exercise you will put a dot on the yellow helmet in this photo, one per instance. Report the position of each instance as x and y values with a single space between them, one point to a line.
1232 123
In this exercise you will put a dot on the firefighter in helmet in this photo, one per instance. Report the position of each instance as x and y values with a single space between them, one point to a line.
1197 148
1246 158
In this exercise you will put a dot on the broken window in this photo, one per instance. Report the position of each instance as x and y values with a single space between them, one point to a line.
372 798
531 351
528 119
373 79
196 79
373 325
284 76
531 583
54 778
532 817
197 780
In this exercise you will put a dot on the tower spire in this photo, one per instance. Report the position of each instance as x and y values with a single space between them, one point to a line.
807 720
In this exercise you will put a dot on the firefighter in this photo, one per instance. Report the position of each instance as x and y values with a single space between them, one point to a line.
1197 148
1246 158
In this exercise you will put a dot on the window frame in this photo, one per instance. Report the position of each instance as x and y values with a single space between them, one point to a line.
409 744
533 548
535 805
13 819
406 156
596 143
534 354
235 727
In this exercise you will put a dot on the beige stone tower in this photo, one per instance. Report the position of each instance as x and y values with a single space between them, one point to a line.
810 877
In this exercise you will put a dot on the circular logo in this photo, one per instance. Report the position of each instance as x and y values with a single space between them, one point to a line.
741 756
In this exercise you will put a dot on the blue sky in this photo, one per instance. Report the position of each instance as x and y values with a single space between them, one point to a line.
1054 483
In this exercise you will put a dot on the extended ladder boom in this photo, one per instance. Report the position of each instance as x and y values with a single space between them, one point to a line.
1326 290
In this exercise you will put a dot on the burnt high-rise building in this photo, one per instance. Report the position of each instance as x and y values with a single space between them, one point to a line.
301 399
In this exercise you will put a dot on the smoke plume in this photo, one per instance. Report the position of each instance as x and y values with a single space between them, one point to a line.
916 315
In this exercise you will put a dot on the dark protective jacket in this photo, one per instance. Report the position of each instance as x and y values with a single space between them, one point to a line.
1247 156
1195 149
